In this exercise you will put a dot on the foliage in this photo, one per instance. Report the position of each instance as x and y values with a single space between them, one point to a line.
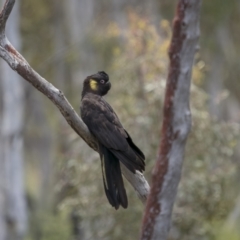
48 225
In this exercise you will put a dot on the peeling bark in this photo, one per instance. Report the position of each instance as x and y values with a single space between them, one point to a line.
17 62
176 122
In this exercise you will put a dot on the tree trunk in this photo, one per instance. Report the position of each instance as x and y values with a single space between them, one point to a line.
176 122
79 19
13 218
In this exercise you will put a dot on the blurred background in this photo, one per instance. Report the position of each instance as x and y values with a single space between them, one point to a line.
51 183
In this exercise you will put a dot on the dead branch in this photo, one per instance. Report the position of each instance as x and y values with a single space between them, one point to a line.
17 62
176 122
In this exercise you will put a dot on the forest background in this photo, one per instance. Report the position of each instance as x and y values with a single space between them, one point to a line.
65 41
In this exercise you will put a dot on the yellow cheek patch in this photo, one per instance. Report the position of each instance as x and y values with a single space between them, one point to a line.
93 84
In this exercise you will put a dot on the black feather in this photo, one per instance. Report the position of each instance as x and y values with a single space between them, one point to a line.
103 74
112 179
134 147
130 160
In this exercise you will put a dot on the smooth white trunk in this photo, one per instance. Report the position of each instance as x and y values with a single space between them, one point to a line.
12 198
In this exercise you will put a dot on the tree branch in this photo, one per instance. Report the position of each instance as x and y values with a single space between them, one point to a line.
8 6
17 62
176 122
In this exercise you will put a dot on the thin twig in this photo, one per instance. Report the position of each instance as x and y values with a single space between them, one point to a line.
8 6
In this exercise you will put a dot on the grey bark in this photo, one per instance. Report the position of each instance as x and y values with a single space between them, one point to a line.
79 19
60 43
233 219
176 122
222 105
13 215
3 229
